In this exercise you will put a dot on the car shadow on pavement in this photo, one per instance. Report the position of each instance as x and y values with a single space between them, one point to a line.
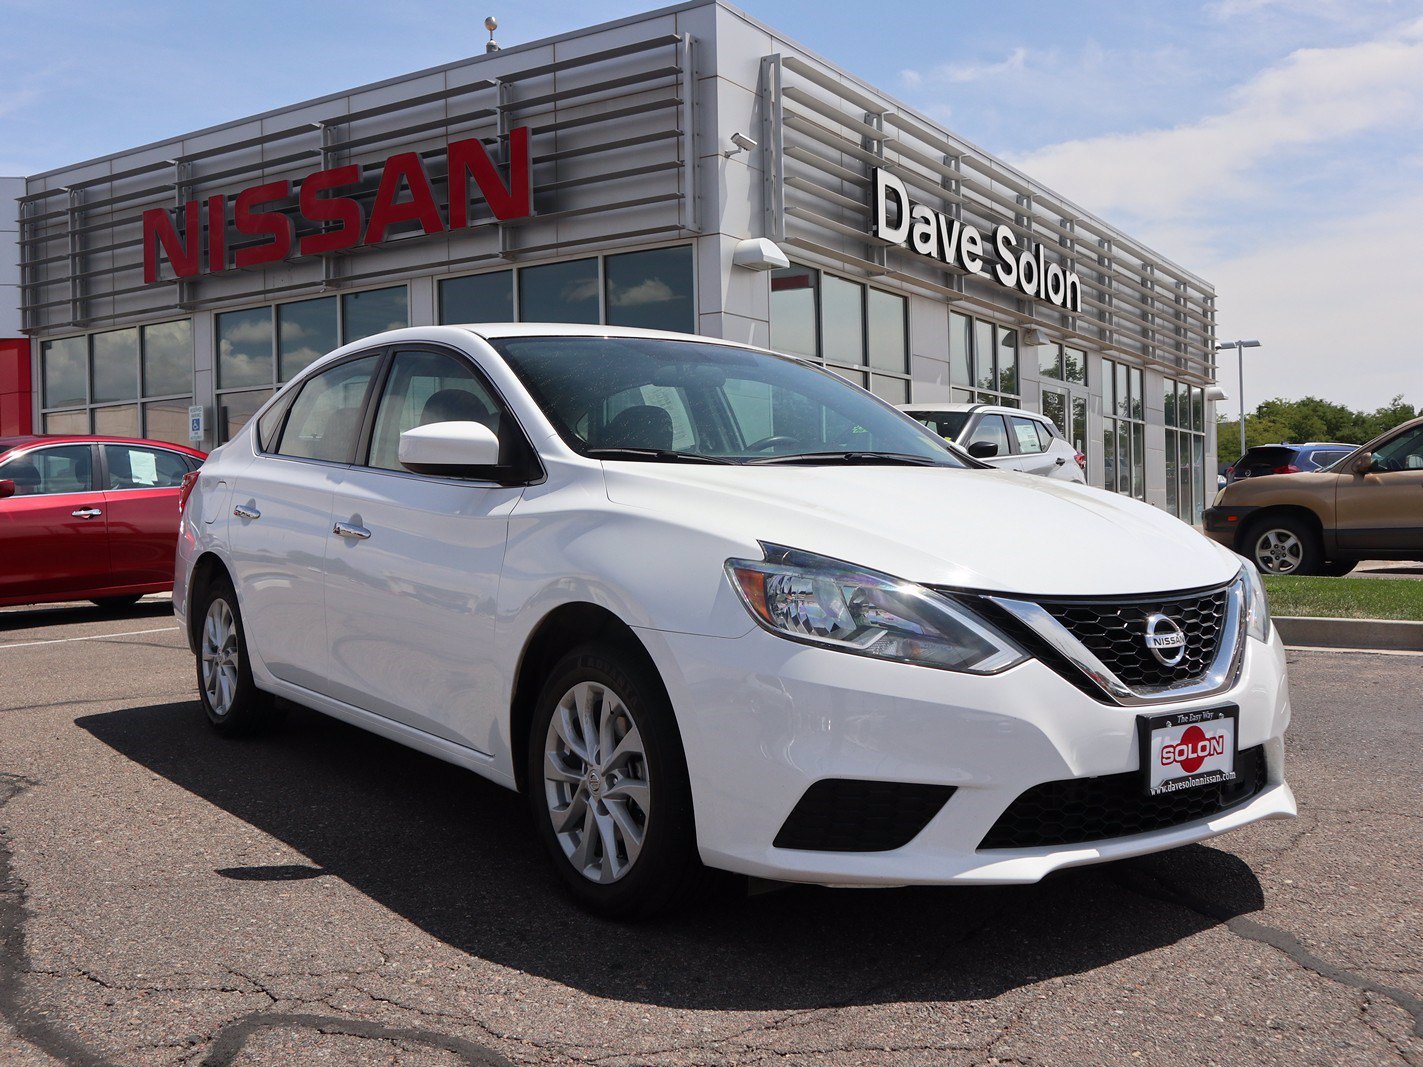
62 614
455 855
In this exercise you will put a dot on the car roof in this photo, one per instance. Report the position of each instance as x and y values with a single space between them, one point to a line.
10 444
994 409
1304 444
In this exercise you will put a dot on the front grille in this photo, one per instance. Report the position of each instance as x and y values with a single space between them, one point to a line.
1114 631
846 815
1078 810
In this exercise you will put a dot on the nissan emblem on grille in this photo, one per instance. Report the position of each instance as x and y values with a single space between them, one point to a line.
1165 639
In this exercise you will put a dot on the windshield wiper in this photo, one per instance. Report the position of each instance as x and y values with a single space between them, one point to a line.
653 455
863 458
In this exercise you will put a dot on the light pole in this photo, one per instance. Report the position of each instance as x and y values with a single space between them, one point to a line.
1240 347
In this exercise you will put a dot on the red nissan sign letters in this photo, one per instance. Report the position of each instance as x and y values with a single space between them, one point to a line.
257 211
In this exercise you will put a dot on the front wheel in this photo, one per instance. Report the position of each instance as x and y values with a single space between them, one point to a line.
607 786
233 703
1285 545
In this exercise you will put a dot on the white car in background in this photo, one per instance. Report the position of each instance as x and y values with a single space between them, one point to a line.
710 607
1006 438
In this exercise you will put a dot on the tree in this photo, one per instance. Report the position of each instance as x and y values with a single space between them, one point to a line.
1310 419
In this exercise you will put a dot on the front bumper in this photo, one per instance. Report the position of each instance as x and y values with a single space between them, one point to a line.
1223 524
763 718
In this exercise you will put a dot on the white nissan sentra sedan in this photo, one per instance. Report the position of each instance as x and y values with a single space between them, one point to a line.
713 608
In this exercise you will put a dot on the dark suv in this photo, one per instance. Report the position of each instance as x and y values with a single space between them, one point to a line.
1287 459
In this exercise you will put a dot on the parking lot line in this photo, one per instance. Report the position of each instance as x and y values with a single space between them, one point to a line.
91 637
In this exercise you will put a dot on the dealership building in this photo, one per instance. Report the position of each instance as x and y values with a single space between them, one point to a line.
690 169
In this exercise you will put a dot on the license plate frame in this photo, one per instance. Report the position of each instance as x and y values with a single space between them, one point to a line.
1210 761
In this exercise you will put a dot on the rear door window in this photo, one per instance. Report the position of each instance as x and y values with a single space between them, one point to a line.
325 418
135 467
1026 439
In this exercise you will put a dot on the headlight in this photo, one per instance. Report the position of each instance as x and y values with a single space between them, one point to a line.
821 601
1257 605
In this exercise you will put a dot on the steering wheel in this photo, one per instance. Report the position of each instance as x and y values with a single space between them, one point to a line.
771 442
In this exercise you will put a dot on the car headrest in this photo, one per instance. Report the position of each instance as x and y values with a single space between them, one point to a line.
24 474
643 426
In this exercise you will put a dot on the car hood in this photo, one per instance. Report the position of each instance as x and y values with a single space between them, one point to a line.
974 529
1247 490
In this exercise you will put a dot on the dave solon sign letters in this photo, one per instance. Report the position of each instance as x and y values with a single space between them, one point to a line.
959 244
328 199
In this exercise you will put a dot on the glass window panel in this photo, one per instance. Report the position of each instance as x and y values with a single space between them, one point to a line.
1173 495
168 358
1198 412
426 387
121 421
66 422
325 418
1025 436
889 338
793 311
63 469
985 371
1138 461
960 347
167 420
1078 434
1168 396
115 355
244 348
1198 477
1050 362
1123 393
375 311
894 390
64 368
478 298
559 292
962 396
1008 361
131 467
1109 454
1054 406
752 406
651 289
842 333
1138 395
1074 364
234 409
993 430
305 330
1124 457
1005 400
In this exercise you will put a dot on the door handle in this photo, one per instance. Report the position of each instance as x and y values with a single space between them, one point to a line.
86 513
1061 461
346 529
245 511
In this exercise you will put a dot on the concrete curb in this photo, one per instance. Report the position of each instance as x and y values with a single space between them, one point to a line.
1387 634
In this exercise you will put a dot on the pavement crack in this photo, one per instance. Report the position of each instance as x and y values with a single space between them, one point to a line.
1283 942
228 1041
33 1022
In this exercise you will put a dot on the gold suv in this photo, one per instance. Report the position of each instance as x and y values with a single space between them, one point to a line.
1369 505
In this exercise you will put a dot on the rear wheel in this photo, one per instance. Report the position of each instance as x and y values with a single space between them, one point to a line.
1285 545
607 786
233 703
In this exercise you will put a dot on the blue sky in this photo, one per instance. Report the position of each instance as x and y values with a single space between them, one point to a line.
1272 146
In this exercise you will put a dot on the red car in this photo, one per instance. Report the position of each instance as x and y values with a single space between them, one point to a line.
89 518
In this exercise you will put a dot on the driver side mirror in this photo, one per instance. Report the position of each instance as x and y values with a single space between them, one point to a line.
7 488
1364 463
450 450
983 450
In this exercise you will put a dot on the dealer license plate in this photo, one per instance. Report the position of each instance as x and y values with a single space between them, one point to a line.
1187 749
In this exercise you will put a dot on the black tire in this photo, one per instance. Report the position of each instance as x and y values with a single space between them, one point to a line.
667 871
1337 568
240 709
1304 556
114 603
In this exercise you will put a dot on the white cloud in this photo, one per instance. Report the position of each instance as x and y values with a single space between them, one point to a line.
1331 307
961 73
1313 96
651 291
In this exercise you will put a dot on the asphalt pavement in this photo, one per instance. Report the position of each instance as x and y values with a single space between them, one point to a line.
324 896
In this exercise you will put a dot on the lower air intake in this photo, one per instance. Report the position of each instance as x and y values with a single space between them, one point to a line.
846 815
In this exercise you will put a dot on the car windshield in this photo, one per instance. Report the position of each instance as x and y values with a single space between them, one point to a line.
947 424
688 401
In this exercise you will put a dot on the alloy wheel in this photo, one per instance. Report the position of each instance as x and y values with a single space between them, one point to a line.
1279 551
220 657
596 782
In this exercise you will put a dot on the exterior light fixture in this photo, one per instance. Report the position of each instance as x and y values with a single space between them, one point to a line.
1240 347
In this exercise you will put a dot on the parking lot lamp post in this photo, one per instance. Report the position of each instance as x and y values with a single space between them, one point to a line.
1240 347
